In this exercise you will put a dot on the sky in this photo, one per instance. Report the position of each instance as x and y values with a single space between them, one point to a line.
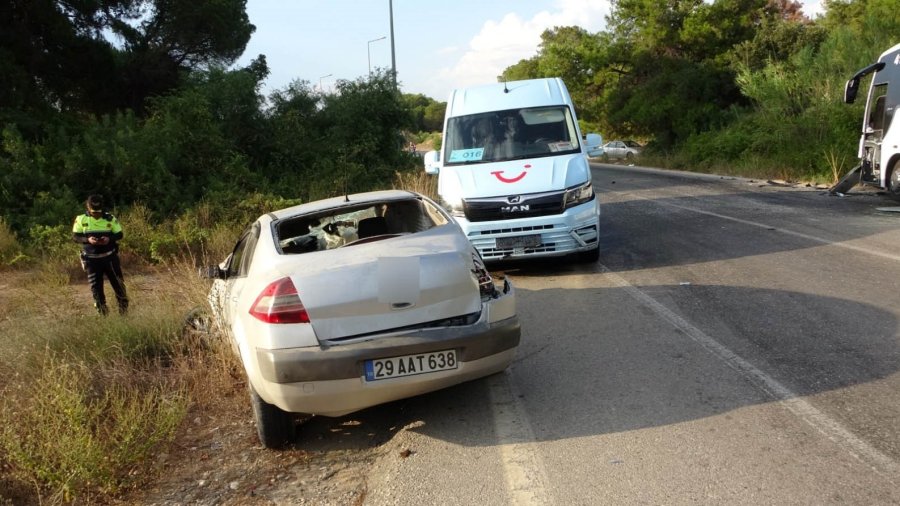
438 46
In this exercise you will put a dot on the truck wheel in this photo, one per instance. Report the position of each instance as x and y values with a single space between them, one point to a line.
275 427
894 183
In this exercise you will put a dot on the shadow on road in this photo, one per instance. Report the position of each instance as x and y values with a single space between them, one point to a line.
588 375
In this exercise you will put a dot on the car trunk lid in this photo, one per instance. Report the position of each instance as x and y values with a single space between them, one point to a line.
388 284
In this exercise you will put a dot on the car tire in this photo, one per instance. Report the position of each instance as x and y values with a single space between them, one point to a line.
276 428
629 156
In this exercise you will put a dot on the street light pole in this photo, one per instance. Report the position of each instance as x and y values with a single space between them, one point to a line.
370 52
320 81
393 57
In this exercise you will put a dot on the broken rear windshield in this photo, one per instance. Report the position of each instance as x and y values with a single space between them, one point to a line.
346 226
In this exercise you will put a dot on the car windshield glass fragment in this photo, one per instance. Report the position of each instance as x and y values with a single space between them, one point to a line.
513 134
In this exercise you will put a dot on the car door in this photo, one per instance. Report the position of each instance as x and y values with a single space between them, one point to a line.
613 149
236 268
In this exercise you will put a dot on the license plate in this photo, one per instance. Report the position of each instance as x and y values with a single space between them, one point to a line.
522 241
409 365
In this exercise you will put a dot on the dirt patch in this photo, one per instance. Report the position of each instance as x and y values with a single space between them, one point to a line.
217 459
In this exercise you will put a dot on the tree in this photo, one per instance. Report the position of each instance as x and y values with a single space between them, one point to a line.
428 114
48 44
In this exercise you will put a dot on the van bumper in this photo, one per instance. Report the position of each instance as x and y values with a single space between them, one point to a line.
573 231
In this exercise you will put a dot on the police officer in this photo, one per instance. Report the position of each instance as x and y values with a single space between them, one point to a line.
99 232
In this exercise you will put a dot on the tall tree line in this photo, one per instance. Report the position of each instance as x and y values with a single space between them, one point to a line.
138 99
135 99
731 81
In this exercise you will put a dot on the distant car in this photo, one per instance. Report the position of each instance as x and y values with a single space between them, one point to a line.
621 150
349 302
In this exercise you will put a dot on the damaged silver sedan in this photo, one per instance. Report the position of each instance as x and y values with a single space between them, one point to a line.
346 303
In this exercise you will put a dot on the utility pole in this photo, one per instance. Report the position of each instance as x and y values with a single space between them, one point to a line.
393 54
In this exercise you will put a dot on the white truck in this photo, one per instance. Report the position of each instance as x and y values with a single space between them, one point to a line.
879 143
514 172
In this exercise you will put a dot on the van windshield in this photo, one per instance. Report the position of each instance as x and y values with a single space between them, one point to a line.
513 134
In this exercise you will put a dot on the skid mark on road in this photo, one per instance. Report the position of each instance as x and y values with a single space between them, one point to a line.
864 452
522 466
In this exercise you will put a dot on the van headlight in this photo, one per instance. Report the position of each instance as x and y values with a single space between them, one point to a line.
455 207
579 195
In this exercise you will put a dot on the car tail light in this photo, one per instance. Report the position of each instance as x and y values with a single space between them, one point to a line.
280 303
485 281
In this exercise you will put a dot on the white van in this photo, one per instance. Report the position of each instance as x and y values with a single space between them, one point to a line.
514 171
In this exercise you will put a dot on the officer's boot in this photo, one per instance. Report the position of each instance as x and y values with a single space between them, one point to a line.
102 308
123 306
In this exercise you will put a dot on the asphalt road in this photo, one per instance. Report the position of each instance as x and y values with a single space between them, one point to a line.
736 343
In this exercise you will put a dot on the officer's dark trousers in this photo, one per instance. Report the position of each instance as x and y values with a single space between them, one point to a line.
109 266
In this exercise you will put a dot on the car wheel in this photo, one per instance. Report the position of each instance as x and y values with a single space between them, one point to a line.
275 427
606 157
629 156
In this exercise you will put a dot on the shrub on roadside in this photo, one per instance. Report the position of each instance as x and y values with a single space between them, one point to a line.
86 402
79 435
420 182
10 250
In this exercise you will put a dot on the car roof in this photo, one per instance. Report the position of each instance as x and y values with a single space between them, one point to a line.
352 200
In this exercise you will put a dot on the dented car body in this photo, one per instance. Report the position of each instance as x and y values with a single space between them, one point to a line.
346 303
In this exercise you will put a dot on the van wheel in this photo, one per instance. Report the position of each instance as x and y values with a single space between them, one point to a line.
275 427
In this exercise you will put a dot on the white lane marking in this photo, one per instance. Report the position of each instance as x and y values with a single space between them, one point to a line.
864 452
785 231
522 466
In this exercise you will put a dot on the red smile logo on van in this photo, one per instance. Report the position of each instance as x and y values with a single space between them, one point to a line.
499 175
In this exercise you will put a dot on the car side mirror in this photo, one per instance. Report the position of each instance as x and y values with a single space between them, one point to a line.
211 272
432 161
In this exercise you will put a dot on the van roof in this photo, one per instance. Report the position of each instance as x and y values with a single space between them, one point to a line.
492 97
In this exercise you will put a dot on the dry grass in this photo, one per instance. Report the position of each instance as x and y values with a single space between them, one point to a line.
88 401
836 163
10 249
419 181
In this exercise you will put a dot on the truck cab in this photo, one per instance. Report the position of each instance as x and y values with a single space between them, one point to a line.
514 171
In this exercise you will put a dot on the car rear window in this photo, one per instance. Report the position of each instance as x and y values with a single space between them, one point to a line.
348 225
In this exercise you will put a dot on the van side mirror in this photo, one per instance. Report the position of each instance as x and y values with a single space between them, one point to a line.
593 145
433 162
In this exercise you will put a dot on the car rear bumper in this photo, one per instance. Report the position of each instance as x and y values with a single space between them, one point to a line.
331 381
